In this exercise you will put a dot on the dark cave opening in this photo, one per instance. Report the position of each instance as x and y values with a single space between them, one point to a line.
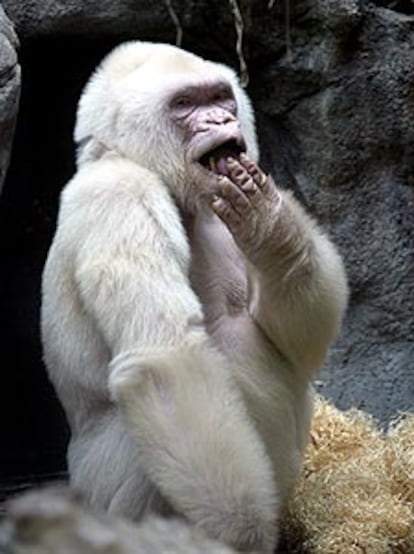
33 428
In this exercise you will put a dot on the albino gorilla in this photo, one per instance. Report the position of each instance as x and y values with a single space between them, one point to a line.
187 302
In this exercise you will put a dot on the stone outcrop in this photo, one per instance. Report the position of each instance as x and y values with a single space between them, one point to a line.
9 90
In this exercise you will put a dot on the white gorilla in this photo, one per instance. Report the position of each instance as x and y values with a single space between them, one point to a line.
187 302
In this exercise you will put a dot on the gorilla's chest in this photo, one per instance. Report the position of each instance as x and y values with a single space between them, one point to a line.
217 272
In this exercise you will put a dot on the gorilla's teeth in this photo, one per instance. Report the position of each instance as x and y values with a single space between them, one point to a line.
212 164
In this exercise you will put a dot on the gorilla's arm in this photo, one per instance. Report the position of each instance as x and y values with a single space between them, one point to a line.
298 285
130 257
299 293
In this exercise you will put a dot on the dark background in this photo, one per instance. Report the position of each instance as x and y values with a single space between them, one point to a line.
33 428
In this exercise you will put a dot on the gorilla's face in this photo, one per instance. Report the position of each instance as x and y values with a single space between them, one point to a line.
173 113
204 118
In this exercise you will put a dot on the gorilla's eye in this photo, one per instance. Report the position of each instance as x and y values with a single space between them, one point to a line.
181 102
223 93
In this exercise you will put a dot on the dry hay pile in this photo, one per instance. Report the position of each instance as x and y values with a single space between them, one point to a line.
356 494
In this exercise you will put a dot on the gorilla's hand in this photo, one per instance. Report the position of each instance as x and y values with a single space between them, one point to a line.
249 204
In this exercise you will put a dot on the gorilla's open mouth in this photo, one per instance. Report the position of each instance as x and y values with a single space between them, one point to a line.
215 160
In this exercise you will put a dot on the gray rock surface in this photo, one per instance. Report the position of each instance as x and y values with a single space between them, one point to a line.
52 521
9 91
35 18
348 136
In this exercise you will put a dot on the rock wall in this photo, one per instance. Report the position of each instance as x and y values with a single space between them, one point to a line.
341 102
9 90
332 83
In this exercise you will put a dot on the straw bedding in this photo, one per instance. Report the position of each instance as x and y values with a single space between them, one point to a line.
356 494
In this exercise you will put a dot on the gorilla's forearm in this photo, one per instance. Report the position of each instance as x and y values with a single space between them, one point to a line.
196 441
299 290
298 284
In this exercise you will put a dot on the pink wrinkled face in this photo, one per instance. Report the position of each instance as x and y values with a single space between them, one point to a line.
206 117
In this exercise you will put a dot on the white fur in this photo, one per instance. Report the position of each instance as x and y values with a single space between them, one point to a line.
165 414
